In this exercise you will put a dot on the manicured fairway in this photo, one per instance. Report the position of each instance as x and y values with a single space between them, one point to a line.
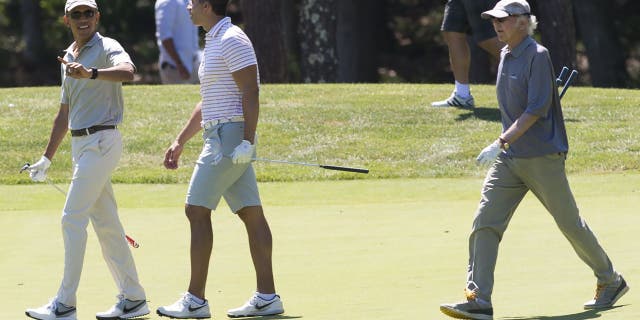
372 249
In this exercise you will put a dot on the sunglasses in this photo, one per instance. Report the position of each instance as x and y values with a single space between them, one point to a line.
76 15
501 20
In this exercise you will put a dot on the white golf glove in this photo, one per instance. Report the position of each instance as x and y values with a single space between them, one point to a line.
243 152
489 154
38 170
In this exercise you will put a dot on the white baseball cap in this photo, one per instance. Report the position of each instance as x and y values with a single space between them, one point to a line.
505 8
74 3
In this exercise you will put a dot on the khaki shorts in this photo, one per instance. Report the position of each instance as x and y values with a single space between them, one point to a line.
215 176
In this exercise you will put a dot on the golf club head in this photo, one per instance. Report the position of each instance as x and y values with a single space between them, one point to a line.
560 78
25 167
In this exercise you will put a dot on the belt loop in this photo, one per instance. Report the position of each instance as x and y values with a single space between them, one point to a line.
87 131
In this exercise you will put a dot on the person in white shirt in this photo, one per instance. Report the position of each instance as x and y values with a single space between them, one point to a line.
178 42
228 112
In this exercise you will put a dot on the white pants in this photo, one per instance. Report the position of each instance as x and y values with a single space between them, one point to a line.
90 197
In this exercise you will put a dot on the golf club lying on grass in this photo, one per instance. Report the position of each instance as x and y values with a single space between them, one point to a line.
27 166
328 167
567 83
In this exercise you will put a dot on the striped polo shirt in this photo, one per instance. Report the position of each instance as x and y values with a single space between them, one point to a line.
227 49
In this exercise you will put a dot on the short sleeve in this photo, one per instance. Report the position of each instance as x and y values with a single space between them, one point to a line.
237 52
541 84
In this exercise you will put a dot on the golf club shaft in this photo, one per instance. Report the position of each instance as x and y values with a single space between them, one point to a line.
130 240
55 186
328 167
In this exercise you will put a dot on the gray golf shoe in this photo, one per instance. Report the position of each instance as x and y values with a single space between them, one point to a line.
608 294
470 309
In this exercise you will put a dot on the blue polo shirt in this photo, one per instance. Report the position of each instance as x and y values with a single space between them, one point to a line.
526 83
94 102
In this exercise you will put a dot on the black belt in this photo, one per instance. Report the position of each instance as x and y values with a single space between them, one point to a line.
90 130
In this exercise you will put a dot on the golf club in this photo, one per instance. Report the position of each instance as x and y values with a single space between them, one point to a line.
572 76
563 74
27 166
328 167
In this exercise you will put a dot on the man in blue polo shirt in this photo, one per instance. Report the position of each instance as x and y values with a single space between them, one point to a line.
91 106
529 155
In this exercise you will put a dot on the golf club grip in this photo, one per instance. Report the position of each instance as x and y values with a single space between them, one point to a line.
357 170
563 73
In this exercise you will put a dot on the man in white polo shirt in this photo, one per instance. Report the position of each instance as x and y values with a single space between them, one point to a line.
228 112
93 69
178 42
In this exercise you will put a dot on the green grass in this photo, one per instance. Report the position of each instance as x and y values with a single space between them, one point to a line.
388 128
356 250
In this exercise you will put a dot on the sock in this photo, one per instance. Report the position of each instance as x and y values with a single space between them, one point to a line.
266 296
463 90
197 300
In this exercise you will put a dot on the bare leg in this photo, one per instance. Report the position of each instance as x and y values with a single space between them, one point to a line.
492 46
260 245
201 246
459 55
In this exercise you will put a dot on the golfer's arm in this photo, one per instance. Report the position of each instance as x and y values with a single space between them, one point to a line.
518 128
247 81
122 72
173 53
192 127
59 130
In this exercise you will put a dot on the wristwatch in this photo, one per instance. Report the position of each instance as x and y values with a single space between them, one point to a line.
94 73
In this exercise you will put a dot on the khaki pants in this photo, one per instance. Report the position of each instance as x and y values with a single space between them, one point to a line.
170 75
506 184
90 198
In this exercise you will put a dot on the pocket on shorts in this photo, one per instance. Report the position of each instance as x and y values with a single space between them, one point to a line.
212 149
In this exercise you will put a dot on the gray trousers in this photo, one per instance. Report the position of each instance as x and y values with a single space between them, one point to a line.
506 184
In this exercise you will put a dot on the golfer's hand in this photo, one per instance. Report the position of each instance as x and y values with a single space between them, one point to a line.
75 70
172 155
184 73
489 154
243 152
38 170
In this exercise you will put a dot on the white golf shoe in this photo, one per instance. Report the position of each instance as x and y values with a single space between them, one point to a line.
186 308
125 309
455 101
257 306
53 310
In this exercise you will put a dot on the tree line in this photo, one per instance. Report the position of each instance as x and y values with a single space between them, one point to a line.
336 40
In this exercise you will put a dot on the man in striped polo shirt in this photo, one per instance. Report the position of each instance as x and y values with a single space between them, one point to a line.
228 112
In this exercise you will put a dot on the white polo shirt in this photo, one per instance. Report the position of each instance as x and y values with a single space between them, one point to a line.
227 49
173 21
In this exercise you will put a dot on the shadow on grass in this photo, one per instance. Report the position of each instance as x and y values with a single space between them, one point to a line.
482 113
278 316
589 314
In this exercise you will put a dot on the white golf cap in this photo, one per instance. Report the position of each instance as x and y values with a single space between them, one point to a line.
505 8
75 3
